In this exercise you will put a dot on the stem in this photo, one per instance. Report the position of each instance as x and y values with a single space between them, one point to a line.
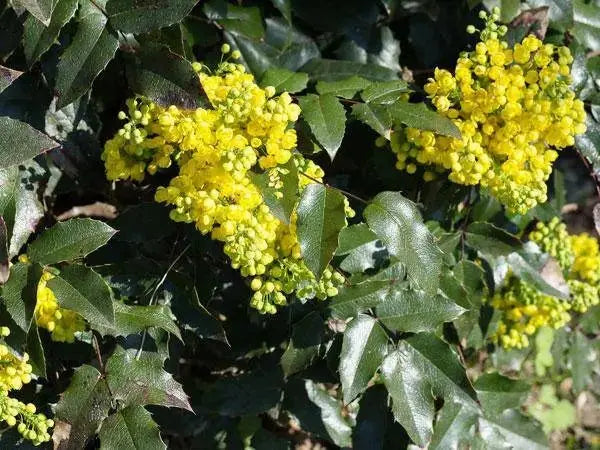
349 194
98 354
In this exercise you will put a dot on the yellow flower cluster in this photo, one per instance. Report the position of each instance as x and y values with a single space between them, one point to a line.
526 309
15 371
218 151
514 110
60 322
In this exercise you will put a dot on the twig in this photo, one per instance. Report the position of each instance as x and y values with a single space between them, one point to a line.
98 354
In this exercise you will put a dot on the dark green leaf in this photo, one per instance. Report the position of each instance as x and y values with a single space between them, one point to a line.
385 92
363 349
35 350
284 80
172 83
398 223
326 118
414 311
7 76
131 319
20 142
84 405
452 426
304 344
497 392
516 429
246 21
419 116
69 240
331 414
20 293
356 298
91 49
587 24
490 240
131 428
335 70
82 290
321 217
375 116
346 88
281 201
132 16
37 38
549 282
40 9
353 237
141 380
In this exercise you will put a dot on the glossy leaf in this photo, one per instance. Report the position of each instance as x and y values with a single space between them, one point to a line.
320 219
497 392
130 428
331 414
20 142
131 319
452 426
131 16
419 116
385 92
40 9
326 118
282 201
7 76
346 88
375 116
514 428
490 240
335 70
284 80
20 293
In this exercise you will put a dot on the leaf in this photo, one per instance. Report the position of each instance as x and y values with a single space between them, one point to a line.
363 349
331 414
419 116
357 298
335 70
581 357
490 240
131 428
172 83
133 16
375 116
84 405
245 21
361 248
452 426
141 380
498 393
516 429
37 38
414 311
82 290
69 240
371 421
20 142
303 348
20 293
524 270
91 49
40 9
385 92
284 80
7 76
19 207
353 237
35 350
346 88
588 143
131 319
326 118
4 258
398 223
587 24
281 201
321 217
284 7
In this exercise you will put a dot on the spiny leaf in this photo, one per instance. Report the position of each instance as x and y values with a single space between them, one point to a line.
69 240
452 426
385 92
346 88
335 70
7 76
284 80
132 16
375 116
326 118
490 240
40 9
20 142
516 429
419 116
331 414
20 293
131 319
131 428
321 216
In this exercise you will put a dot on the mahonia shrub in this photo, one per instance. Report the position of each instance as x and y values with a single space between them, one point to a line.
206 242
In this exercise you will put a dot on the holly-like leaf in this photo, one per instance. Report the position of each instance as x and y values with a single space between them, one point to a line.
40 9
331 414
414 311
517 430
346 88
452 426
419 116
240 20
361 248
20 142
131 319
375 116
172 83
321 217
38 38
69 240
357 298
284 80
280 201
528 268
81 289
304 344
20 293
131 16
497 392
385 92
363 349
143 381
490 240
131 428
326 118
7 76
83 406
91 49
398 223
335 70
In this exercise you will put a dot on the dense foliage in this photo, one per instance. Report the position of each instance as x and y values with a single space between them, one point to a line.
291 224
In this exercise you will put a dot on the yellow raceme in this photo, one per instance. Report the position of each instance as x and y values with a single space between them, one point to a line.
514 109
525 309
217 150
